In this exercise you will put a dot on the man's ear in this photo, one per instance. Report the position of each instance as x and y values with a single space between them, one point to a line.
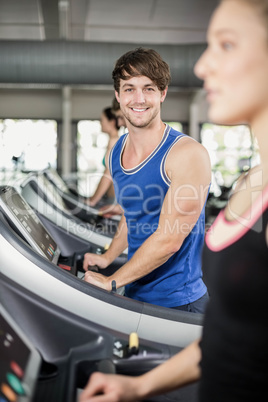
117 96
164 94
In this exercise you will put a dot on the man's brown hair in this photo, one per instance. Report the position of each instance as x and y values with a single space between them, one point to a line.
142 62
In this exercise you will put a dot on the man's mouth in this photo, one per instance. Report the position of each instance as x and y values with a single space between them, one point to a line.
139 110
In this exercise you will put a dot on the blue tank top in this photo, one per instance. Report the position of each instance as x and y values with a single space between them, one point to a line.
141 192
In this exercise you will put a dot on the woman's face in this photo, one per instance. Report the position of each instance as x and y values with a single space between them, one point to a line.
106 125
235 65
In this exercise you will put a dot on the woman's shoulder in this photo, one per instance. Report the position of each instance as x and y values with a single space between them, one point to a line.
114 141
249 188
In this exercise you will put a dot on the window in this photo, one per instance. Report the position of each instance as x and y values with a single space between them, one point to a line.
27 145
176 125
92 144
232 150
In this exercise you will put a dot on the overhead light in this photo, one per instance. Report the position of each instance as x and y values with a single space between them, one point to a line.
63 18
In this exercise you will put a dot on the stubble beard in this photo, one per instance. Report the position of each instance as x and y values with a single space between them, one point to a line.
143 123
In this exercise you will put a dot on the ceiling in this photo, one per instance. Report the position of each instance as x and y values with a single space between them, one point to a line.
111 21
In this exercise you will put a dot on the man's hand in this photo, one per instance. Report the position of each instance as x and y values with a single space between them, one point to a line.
99 280
91 259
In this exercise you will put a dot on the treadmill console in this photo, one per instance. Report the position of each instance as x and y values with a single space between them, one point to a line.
20 362
27 224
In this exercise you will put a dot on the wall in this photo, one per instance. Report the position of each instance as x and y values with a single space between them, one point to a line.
36 103
70 104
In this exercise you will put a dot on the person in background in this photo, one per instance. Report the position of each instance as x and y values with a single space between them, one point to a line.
121 121
105 187
231 359
161 179
109 210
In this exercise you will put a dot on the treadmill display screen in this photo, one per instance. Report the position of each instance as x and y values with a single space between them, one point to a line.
20 362
27 223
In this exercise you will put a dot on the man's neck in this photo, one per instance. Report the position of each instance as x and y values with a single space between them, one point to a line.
141 142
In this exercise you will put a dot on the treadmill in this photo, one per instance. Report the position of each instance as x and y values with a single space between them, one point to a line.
76 202
20 361
24 220
44 198
48 353
31 257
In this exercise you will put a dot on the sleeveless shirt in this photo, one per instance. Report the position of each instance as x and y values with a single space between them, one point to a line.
235 334
141 192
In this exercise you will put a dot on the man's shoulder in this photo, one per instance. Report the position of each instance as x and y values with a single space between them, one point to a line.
177 139
120 141
185 147
175 133
187 144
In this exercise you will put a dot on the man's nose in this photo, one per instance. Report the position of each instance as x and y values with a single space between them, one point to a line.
139 96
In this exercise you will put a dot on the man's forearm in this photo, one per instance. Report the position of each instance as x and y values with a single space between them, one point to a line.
119 242
155 251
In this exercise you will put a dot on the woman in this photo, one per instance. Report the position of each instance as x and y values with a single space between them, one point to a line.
231 359
109 210
105 186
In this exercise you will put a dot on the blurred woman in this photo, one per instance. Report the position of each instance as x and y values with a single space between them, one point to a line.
105 187
231 359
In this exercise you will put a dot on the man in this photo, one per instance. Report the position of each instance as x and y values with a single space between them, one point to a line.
161 180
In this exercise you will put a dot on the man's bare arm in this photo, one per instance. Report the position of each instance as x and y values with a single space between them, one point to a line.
188 168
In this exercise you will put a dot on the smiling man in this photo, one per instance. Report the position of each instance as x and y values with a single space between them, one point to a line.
161 179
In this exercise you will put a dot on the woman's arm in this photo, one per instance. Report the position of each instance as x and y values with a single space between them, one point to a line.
180 370
104 184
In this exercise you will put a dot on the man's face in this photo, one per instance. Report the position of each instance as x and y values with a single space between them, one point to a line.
121 122
140 101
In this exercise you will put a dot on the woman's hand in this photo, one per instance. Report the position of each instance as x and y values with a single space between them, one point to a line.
110 388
